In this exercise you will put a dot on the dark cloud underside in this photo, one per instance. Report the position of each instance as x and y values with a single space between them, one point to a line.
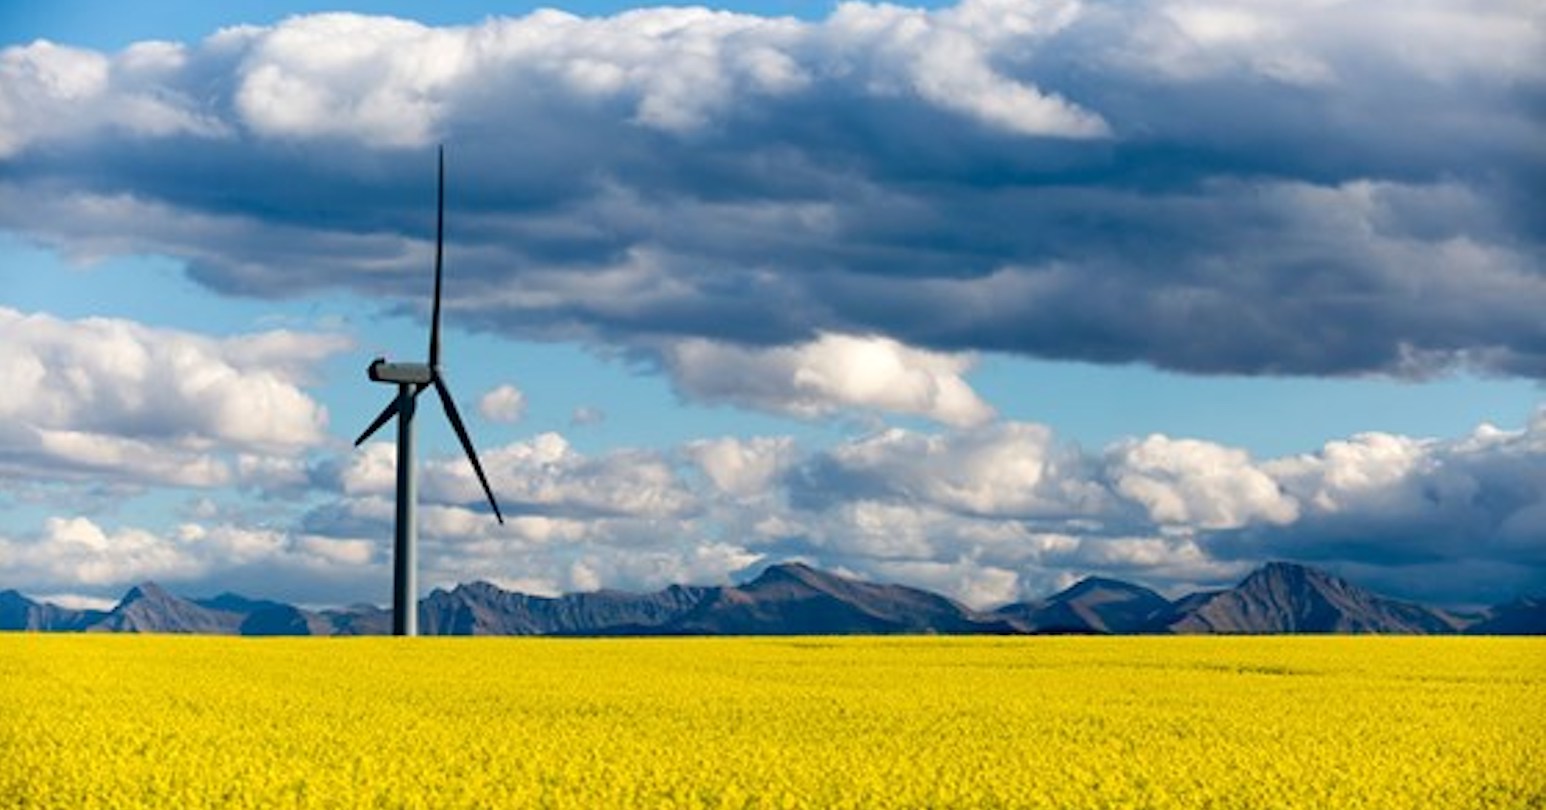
1256 190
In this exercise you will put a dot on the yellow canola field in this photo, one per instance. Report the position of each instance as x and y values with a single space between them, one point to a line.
187 722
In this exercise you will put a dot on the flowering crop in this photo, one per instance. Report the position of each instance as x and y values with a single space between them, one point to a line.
191 722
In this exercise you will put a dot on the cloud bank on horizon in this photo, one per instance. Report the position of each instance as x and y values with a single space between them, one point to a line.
818 220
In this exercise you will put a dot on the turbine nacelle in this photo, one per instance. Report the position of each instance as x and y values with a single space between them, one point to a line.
382 371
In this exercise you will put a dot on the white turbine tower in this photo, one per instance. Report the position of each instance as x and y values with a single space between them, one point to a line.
411 379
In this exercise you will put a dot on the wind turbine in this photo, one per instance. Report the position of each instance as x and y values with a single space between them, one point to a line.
411 379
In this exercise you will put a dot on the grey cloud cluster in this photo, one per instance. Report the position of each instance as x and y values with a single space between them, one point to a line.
987 514
1450 520
1467 516
1260 188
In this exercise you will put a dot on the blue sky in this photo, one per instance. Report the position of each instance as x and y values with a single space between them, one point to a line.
981 297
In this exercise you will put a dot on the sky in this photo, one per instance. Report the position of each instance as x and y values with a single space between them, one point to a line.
982 297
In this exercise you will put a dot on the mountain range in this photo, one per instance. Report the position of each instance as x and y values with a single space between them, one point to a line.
796 599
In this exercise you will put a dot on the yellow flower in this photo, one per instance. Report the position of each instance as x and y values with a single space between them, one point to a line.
197 722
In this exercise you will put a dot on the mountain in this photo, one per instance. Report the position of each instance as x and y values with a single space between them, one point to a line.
486 609
265 617
236 603
357 620
17 612
1524 617
796 599
146 608
1094 605
789 599
285 620
1283 597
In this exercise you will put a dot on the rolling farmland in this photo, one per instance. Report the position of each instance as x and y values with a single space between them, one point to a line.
95 721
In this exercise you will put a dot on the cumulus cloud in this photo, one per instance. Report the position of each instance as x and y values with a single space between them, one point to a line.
504 403
55 92
115 398
1280 41
622 519
743 468
1464 516
1186 482
947 59
992 175
1009 469
827 374
985 515
80 553
542 476
1181 513
345 76
675 70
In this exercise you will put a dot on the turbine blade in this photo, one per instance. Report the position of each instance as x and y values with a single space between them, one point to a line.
382 418
461 433
440 232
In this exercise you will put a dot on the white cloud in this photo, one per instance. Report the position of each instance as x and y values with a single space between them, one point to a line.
629 566
50 92
104 396
948 59
1177 513
504 403
1006 469
543 475
72 455
624 519
1359 472
985 515
390 82
74 552
334 551
273 474
370 470
548 475
706 563
743 468
877 530
1382 496
1310 43
375 79
1185 482
97 562
76 601
828 375
975 585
